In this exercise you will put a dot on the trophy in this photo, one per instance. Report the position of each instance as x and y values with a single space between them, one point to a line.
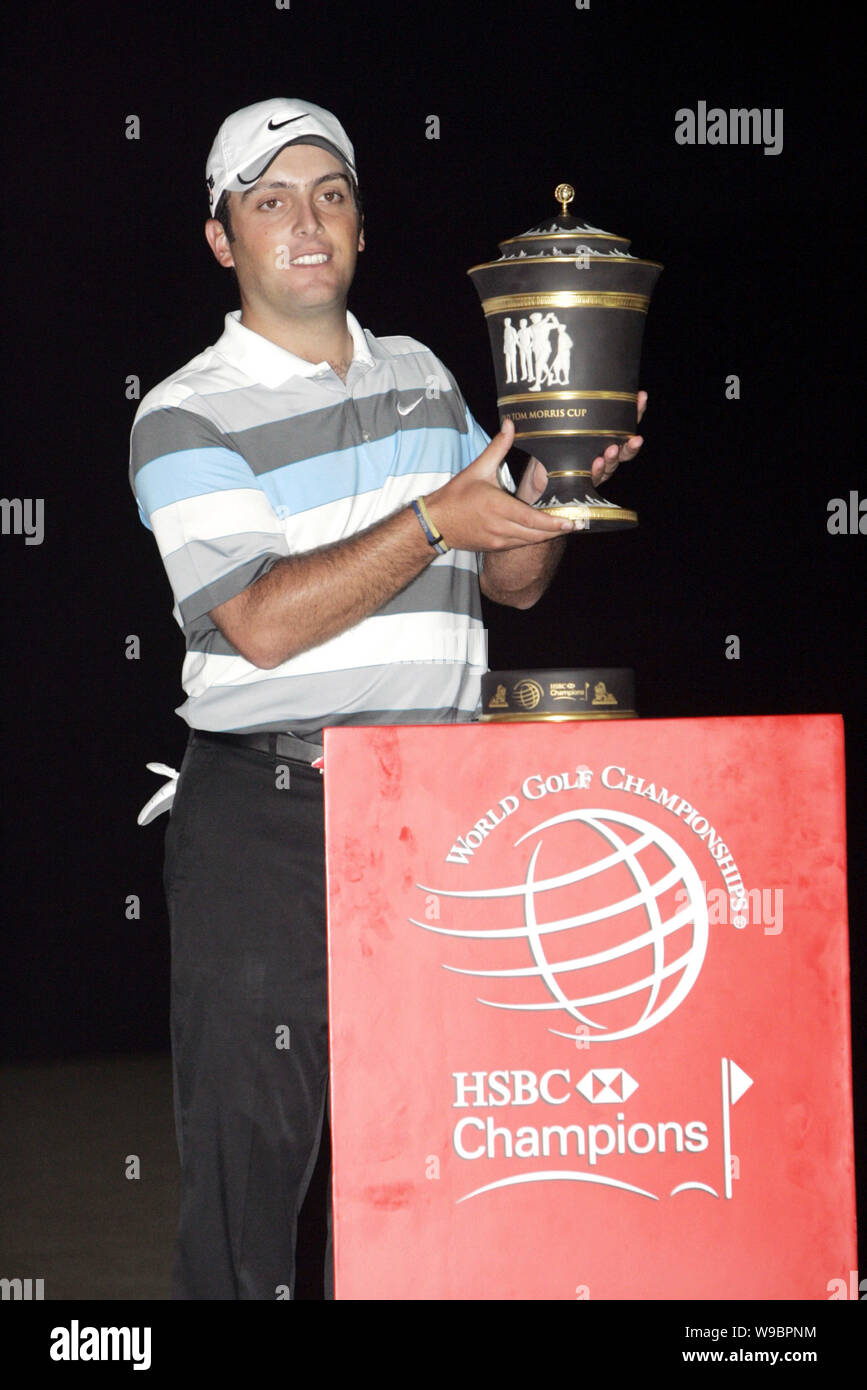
565 306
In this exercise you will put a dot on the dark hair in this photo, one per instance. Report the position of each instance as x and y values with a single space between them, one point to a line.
223 214
223 211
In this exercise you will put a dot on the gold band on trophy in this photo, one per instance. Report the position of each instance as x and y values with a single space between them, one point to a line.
597 516
568 396
556 718
566 299
548 434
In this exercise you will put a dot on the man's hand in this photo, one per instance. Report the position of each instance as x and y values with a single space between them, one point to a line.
602 468
519 579
472 511
307 599
535 477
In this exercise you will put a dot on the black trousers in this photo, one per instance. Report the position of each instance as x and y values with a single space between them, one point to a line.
245 886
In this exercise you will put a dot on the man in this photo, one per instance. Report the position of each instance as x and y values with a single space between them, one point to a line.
559 370
322 501
541 330
525 348
510 350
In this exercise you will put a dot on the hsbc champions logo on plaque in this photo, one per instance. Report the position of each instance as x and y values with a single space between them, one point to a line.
608 925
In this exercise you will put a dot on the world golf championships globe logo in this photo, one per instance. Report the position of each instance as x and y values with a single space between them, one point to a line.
607 925
528 693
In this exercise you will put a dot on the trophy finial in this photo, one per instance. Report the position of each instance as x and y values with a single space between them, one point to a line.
564 193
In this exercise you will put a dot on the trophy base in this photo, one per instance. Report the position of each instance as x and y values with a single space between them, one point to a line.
569 491
583 503
576 693
602 518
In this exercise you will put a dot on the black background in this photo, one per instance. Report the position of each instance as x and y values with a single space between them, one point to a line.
110 276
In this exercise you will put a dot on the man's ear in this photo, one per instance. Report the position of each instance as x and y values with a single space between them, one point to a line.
219 242
361 235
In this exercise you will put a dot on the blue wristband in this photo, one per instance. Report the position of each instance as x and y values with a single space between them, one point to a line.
434 539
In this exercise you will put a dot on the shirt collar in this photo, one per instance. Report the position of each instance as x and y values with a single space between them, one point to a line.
265 361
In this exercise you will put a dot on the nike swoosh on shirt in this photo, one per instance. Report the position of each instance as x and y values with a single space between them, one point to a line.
280 124
405 410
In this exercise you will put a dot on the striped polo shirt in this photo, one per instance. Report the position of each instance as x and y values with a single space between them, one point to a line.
249 454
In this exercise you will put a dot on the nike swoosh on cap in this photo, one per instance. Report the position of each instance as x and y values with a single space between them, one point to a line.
405 410
280 124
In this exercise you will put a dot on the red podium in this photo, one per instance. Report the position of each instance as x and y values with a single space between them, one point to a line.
589 1010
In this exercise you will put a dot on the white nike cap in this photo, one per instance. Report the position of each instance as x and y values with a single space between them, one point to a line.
249 139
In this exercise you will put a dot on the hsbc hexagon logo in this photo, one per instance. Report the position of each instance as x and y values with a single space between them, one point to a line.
607 1086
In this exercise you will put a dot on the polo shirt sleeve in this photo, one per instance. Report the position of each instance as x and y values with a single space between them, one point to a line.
215 528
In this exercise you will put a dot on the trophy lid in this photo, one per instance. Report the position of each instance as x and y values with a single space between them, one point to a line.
564 235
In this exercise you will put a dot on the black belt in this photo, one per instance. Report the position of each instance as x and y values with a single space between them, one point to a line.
278 745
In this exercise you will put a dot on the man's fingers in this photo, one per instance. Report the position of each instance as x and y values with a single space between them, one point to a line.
471 514
534 481
544 521
641 405
538 476
543 526
534 524
630 448
598 473
499 445
490 459
603 467
520 534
